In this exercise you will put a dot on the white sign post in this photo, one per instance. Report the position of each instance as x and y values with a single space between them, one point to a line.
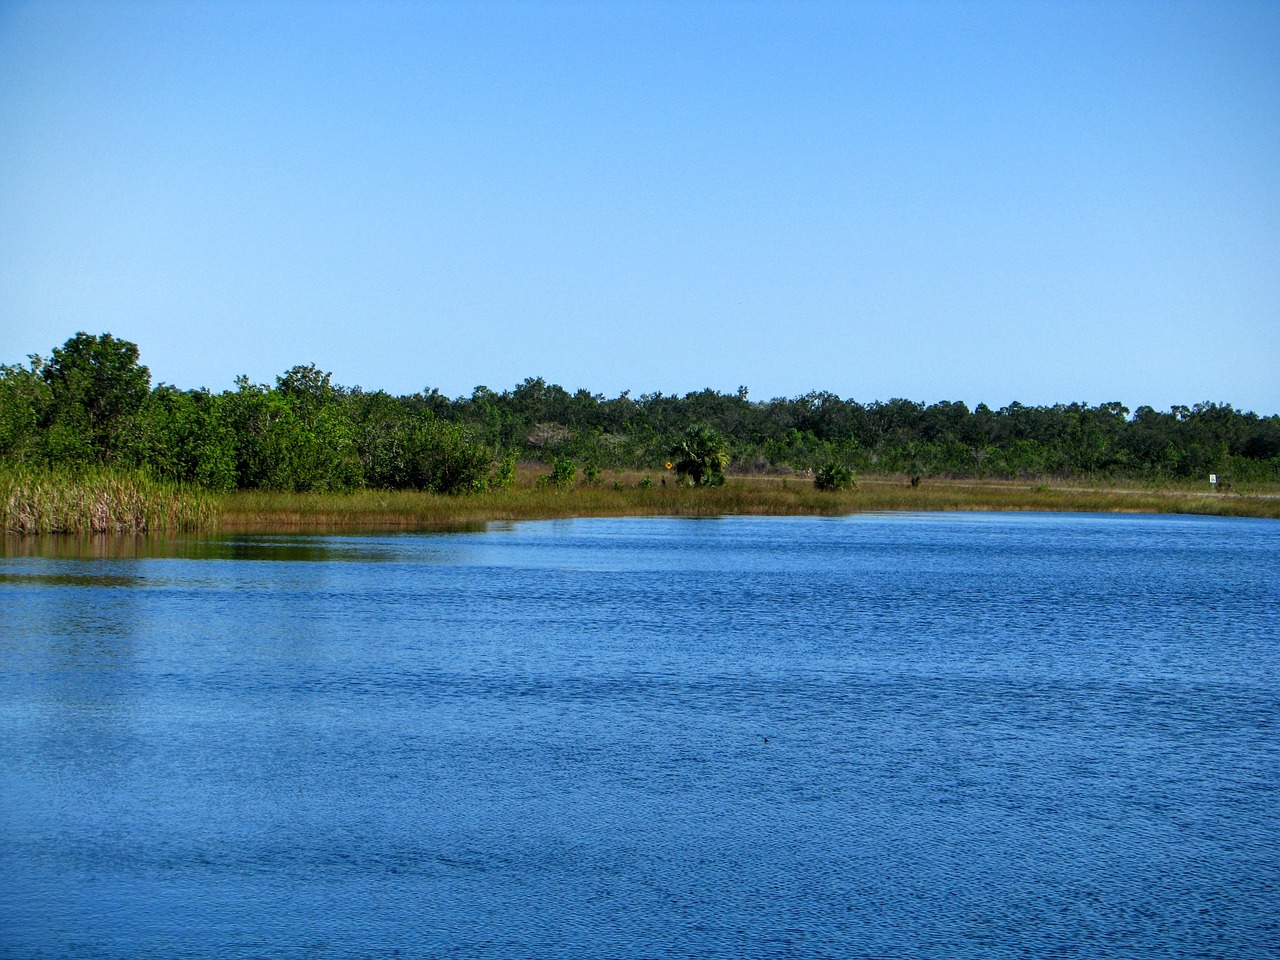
1213 479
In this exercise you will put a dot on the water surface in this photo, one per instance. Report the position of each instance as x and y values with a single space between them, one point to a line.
899 736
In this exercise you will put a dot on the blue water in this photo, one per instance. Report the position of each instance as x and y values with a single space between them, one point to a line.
878 736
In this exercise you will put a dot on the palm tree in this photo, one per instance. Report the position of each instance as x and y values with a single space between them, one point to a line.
701 457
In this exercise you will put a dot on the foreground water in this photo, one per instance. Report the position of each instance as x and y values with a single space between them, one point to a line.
892 736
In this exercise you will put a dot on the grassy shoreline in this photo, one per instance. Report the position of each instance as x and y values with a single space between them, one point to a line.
104 501
619 495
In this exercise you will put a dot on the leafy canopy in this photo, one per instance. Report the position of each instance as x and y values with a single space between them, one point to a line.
96 385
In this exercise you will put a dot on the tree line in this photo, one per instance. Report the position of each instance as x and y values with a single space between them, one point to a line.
93 402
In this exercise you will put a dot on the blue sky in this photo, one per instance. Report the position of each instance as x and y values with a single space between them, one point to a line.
987 201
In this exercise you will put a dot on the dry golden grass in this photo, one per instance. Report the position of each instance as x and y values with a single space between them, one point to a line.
35 502
619 494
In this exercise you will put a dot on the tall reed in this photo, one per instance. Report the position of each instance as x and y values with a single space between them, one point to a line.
97 500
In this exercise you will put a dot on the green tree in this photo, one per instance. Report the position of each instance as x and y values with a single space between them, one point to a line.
23 398
381 425
183 436
443 458
286 440
96 385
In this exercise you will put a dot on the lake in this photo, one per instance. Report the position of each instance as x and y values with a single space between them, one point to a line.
953 735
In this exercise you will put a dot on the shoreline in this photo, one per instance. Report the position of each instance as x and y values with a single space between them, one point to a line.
256 513
619 495
102 503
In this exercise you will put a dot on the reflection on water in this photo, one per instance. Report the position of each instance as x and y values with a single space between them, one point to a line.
312 547
89 547
960 736
71 579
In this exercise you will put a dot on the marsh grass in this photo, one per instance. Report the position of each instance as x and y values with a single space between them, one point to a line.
98 500
620 494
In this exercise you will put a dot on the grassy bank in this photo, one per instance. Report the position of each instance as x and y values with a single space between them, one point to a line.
619 495
105 501
98 500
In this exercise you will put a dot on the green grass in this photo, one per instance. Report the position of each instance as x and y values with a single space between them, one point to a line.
98 500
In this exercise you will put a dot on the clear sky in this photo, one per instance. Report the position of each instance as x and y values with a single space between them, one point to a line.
985 201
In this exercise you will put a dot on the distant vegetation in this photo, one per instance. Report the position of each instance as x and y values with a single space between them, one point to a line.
91 404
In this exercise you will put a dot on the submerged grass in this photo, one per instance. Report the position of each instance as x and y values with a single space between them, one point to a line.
620 494
98 500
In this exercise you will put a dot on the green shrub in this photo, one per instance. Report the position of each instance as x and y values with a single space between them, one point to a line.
504 475
562 473
833 476
442 458
701 457
23 398
182 436
289 441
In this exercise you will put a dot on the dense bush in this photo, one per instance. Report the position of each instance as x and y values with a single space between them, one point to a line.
183 436
287 441
701 457
442 458
91 403
96 386
833 476
562 473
